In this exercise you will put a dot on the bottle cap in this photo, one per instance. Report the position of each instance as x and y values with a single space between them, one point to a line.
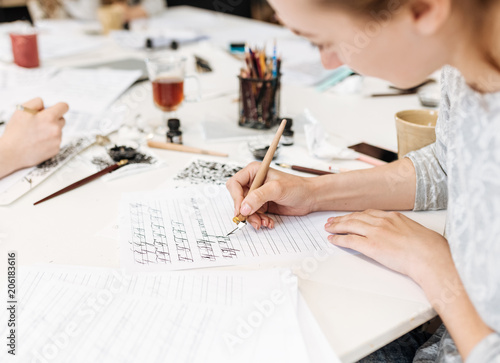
173 124
289 123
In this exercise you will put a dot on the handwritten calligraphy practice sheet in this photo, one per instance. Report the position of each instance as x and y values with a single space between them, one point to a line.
103 315
186 228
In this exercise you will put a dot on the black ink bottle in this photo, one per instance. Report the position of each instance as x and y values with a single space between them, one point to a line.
174 135
287 138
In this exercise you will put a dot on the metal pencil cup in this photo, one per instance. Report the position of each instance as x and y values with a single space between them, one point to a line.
259 102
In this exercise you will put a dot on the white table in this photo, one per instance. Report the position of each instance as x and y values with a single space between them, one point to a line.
341 291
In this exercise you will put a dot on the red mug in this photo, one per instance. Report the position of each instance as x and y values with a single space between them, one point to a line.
25 50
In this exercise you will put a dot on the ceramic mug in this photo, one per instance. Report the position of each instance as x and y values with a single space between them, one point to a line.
416 129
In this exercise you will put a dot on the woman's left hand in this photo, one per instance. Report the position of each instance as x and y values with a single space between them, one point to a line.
392 239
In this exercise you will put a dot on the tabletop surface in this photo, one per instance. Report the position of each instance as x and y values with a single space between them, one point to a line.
359 304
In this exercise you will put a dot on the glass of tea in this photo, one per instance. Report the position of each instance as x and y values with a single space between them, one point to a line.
167 74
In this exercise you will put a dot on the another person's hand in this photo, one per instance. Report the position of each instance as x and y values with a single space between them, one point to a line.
394 240
31 139
281 193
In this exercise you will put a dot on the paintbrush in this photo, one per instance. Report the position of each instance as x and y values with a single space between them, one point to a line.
240 220
84 181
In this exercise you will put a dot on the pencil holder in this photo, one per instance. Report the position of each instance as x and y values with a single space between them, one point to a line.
259 105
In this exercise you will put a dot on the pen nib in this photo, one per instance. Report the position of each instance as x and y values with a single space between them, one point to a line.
238 227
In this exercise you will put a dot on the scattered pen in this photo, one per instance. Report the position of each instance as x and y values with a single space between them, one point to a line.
168 43
403 91
84 181
307 170
241 220
376 95
202 65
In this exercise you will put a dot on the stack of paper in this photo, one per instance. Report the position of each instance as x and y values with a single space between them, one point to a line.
103 315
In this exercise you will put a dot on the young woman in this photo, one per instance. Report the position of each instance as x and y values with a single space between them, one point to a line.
403 41
30 139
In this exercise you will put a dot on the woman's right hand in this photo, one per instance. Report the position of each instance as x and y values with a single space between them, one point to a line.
281 193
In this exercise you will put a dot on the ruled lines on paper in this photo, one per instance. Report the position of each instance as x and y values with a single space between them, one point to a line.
105 315
187 228
174 287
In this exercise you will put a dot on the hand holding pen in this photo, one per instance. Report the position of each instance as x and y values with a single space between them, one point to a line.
32 136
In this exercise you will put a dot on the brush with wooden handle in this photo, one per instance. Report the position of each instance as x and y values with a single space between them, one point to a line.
183 148
84 181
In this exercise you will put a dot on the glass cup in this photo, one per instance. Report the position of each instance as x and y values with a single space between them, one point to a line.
25 49
167 74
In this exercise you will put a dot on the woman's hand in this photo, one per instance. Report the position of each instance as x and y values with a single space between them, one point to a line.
30 139
281 193
394 240
405 246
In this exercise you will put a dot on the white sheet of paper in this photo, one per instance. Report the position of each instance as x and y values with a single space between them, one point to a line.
88 314
12 76
52 45
370 276
318 347
89 91
84 124
186 228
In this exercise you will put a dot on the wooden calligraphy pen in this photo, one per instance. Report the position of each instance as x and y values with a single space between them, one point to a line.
86 180
241 220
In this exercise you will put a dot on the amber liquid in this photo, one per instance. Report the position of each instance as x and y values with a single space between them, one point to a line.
168 93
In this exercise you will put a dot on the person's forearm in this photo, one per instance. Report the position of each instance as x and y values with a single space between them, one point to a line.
446 293
388 187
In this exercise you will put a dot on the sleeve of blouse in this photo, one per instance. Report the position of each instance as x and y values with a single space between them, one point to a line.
430 161
486 351
432 188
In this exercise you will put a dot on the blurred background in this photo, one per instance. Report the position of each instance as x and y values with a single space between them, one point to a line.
11 10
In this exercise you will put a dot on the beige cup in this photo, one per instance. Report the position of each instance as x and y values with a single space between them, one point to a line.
416 129
112 17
